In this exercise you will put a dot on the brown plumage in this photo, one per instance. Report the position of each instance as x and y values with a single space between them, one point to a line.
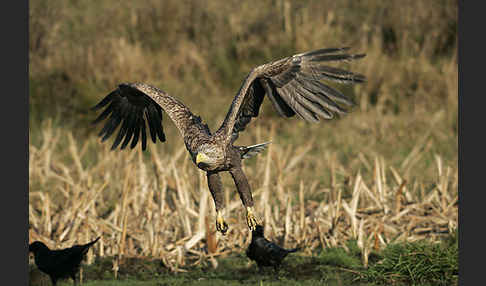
292 84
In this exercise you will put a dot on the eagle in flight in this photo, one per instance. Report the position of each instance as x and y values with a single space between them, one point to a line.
293 85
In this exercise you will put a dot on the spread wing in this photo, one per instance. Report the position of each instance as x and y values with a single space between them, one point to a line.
134 105
294 86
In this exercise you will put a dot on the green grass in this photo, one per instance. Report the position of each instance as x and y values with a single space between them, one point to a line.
418 263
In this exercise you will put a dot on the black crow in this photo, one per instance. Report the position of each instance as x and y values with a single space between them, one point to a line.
265 252
61 263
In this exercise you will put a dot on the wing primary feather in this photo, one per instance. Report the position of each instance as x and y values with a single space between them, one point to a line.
337 72
333 74
127 121
136 131
315 108
105 113
151 124
305 113
339 57
112 123
105 100
120 135
121 112
160 130
302 111
336 95
325 51
129 133
347 80
280 105
317 95
107 124
144 135
318 87
321 102
132 126
155 124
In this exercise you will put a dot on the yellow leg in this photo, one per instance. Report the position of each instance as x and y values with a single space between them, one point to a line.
221 225
251 220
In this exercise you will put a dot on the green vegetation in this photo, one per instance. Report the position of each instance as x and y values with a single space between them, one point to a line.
416 263
367 196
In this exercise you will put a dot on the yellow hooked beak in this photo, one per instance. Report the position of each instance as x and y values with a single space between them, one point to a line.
201 158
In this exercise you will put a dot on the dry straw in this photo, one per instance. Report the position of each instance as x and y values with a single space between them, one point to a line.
149 205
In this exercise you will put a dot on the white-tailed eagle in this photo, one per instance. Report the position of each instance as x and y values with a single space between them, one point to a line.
293 85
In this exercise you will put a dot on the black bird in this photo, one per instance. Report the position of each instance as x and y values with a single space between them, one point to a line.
265 252
61 263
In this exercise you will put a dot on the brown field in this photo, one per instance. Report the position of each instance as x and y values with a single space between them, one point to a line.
386 172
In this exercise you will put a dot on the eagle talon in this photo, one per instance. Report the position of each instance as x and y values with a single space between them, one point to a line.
221 225
251 219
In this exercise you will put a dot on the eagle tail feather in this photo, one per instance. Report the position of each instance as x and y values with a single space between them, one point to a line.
250 151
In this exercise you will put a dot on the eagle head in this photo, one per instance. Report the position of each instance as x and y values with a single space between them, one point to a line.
209 158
